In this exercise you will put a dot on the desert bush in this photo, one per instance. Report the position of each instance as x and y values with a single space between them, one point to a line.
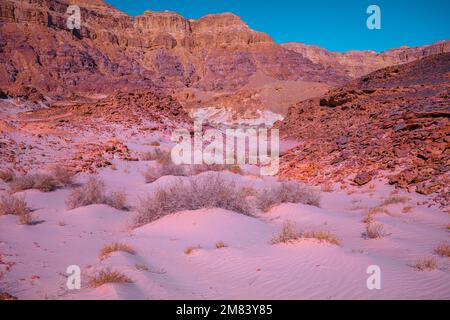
62 175
115 247
191 250
154 173
221 245
327 187
108 276
376 210
425 264
287 192
443 250
26 219
322 236
374 231
248 192
7 175
207 191
58 178
45 183
117 200
21 183
394 199
159 155
201 168
13 205
407 209
287 234
92 192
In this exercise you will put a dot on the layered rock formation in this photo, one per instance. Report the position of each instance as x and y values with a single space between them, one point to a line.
40 57
393 123
358 63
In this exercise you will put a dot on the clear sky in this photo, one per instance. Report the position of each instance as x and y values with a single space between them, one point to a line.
337 25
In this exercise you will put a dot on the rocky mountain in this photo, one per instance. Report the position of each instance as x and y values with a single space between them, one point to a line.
392 123
358 63
204 62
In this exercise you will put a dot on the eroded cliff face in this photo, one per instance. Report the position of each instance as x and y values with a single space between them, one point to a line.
359 63
215 56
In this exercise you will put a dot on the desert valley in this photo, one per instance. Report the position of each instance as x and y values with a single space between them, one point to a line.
88 182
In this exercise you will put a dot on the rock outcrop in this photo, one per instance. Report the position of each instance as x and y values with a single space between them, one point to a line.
392 123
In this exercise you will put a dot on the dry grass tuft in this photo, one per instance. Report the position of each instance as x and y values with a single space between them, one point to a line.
13 205
159 155
327 187
375 230
248 192
108 276
59 177
117 200
443 250
287 192
407 209
425 264
26 219
191 250
115 247
170 169
207 191
377 210
394 198
322 236
92 192
221 245
288 233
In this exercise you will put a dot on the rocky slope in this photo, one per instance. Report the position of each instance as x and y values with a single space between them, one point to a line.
393 123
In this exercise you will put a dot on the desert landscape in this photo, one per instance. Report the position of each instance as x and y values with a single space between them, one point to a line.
89 181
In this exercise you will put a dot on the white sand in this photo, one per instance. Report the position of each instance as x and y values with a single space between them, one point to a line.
250 267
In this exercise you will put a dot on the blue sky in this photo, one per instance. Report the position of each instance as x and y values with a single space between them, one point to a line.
338 25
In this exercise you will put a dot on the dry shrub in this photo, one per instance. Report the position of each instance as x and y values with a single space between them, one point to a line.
62 175
207 191
26 219
376 210
170 169
160 155
155 143
287 234
117 200
394 198
221 245
191 250
92 192
322 236
108 276
407 209
7 175
425 264
58 178
248 192
21 183
287 192
45 183
374 231
368 218
115 247
327 187
13 205
443 250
